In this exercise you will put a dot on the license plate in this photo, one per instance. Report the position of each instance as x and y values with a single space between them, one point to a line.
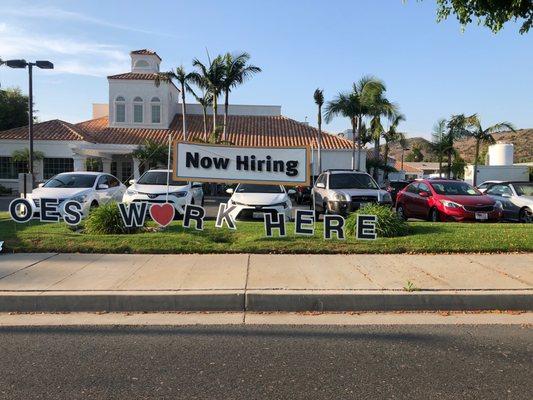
482 216
257 215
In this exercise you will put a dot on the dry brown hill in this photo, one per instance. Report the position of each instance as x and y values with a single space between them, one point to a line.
522 140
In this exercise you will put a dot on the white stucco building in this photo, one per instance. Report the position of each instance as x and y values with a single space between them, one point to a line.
140 110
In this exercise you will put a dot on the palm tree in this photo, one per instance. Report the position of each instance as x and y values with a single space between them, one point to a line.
392 136
439 141
211 77
456 126
206 100
151 154
484 136
318 96
23 156
379 106
236 71
183 78
354 105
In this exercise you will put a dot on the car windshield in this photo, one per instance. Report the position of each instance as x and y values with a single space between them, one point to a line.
351 181
523 189
455 189
249 188
158 178
71 181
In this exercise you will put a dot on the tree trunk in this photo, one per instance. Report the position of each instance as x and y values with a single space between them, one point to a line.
449 169
226 107
359 121
386 156
440 163
183 112
215 109
353 144
375 172
206 135
319 139
474 173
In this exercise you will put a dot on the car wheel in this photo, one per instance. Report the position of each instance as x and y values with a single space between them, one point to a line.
434 215
202 202
315 209
401 212
525 216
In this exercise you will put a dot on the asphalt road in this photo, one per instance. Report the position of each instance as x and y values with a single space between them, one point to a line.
239 362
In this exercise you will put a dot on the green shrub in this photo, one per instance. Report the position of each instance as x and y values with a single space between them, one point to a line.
106 220
388 224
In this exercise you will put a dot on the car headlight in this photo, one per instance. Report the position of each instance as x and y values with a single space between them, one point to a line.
450 204
498 204
178 194
131 192
283 204
387 198
80 199
339 196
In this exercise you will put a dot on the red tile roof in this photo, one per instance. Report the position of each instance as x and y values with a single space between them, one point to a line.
406 167
243 131
145 52
49 130
143 76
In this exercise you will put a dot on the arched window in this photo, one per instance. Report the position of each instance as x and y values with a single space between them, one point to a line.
142 64
156 110
120 109
138 110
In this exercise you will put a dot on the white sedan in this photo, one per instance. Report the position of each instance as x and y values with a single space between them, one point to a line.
252 201
90 189
152 188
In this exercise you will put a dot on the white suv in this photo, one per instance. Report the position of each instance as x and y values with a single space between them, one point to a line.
152 188
344 191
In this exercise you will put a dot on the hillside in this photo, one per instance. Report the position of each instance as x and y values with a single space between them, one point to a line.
522 140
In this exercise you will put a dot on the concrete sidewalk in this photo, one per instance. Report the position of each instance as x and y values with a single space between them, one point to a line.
251 282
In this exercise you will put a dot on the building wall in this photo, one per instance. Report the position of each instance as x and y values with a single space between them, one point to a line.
236 109
129 89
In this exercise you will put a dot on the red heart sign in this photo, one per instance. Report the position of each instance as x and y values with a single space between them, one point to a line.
163 214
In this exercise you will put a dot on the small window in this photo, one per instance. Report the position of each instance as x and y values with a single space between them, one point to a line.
156 110
120 109
10 169
138 110
422 187
413 188
142 64
103 180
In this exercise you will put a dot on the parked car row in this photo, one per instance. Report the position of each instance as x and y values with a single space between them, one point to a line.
334 192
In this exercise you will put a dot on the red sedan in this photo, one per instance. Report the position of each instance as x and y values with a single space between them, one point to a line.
446 200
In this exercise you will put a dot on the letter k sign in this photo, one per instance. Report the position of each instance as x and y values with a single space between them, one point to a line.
225 216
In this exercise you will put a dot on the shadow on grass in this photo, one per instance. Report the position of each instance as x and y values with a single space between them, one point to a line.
425 229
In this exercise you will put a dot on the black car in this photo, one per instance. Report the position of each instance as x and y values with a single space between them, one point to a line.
394 187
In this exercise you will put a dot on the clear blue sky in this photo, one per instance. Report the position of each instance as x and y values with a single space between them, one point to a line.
431 70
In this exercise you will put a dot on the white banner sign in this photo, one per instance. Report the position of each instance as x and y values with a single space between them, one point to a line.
220 163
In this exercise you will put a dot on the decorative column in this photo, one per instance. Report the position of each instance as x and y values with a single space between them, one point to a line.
80 162
136 166
106 165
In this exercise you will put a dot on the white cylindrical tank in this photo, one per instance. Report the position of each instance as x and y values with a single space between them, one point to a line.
501 154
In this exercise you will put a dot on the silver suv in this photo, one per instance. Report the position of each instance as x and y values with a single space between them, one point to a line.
343 191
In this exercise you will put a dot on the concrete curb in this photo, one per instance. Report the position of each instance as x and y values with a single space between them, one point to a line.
389 301
265 301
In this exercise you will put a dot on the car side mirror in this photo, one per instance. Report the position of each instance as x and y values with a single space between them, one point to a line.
103 186
320 185
131 181
229 191
424 194
291 192
40 184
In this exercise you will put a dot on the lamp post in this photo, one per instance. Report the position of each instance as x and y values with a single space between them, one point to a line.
23 64
404 149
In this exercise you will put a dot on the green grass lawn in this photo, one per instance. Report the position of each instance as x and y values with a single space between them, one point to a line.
249 237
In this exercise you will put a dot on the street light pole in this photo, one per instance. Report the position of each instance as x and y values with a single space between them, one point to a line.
30 121
43 64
